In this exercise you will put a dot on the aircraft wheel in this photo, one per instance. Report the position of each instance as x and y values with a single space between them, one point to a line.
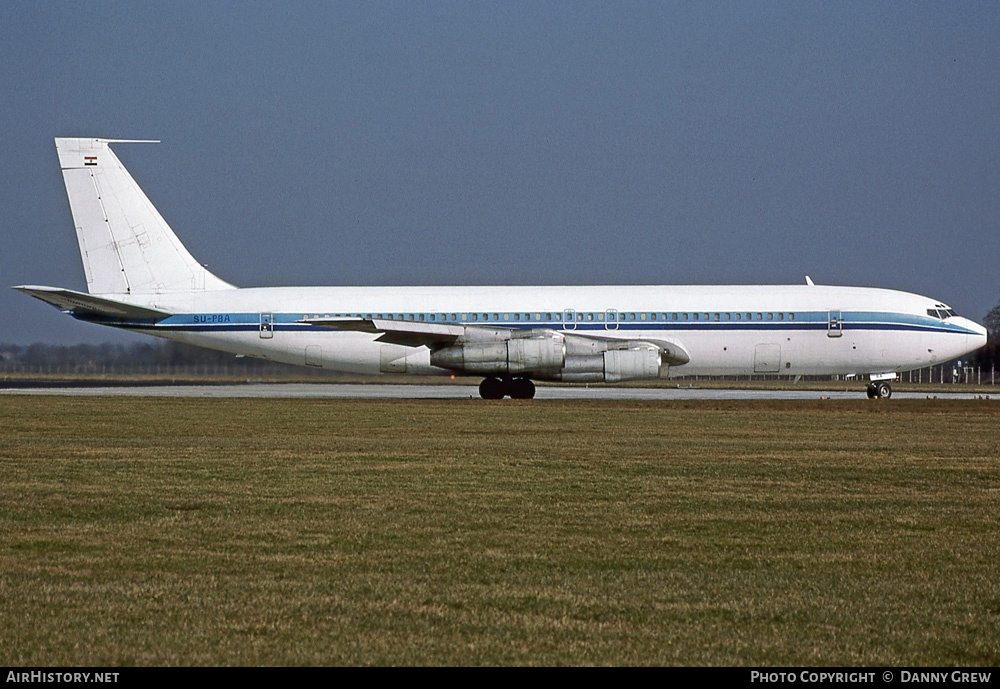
492 389
871 391
883 390
522 389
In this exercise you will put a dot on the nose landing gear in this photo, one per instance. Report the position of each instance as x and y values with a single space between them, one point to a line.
879 390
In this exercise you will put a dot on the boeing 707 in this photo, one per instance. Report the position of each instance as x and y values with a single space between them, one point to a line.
140 277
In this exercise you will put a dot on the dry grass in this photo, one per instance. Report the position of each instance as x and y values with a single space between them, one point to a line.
225 531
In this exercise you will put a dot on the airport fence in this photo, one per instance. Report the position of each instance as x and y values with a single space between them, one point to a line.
943 375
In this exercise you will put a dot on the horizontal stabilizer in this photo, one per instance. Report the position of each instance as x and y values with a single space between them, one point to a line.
82 304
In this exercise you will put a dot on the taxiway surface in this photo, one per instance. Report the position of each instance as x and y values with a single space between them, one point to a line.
374 391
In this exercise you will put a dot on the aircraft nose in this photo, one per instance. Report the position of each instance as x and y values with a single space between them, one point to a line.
977 336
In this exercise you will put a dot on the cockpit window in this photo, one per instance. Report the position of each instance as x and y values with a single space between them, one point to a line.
941 313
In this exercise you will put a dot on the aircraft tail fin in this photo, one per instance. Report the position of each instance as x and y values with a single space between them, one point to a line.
126 245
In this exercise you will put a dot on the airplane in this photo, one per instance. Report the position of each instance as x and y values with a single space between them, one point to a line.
141 278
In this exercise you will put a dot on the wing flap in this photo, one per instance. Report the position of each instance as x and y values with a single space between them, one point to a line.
407 333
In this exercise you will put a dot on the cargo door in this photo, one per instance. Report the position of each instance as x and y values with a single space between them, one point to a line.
767 358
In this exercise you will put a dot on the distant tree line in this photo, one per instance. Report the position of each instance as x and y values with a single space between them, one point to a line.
141 356
989 356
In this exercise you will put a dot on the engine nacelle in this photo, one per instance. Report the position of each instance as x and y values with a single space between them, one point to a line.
612 367
545 355
631 364
522 355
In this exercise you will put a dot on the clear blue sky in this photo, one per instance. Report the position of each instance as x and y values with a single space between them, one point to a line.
342 143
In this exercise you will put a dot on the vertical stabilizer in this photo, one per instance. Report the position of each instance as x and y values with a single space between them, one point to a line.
126 245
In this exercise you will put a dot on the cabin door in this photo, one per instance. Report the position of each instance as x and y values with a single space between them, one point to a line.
834 324
266 326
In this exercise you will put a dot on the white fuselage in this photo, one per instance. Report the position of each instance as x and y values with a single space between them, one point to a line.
725 330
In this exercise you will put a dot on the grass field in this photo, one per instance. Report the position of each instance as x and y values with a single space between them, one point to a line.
149 531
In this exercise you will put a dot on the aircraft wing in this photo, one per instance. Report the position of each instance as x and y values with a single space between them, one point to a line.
89 305
408 333
439 335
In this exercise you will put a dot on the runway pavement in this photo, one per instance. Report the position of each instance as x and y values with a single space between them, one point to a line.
376 391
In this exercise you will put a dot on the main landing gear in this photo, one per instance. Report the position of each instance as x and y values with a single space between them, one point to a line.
880 390
515 388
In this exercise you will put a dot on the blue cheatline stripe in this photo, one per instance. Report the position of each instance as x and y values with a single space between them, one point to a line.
849 320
